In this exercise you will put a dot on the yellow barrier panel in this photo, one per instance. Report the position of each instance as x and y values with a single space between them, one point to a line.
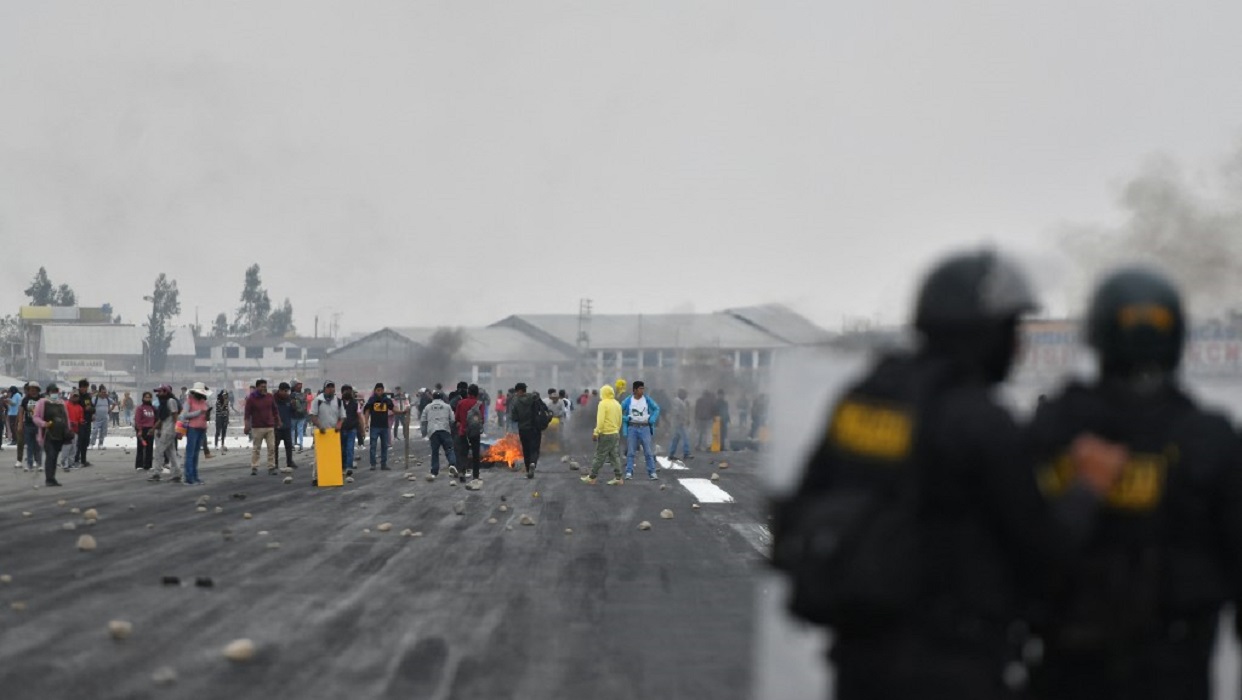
328 458
716 435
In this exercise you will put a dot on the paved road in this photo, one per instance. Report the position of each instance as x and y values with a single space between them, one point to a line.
468 610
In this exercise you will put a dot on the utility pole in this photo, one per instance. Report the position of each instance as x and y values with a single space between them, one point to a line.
584 341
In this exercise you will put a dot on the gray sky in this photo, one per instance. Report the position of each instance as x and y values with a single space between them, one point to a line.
653 156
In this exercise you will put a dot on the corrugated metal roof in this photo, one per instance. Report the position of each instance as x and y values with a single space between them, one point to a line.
657 331
112 339
492 344
782 322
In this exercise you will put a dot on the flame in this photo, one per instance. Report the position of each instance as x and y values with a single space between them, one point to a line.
506 450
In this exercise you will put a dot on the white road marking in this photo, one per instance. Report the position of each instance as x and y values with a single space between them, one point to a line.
706 491
666 463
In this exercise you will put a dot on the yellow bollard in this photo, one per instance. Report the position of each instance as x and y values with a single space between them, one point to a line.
716 435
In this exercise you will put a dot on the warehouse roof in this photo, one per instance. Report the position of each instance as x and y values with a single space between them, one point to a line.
783 322
91 340
478 345
628 331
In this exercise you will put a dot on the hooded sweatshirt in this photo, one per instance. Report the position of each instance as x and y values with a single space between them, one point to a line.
608 415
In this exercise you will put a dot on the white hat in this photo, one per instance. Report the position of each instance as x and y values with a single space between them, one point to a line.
200 389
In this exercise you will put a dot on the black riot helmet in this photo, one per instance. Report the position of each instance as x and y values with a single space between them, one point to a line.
1136 324
968 310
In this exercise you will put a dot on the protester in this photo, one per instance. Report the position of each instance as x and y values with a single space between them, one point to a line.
127 409
53 424
166 417
607 437
326 413
524 412
12 405
704 414
352 411
285 404
260 423
401 414
680 414
73 407
378 412
437 422
298 408
195 419
87 394
29 429
144 429
639 416
470 420
224 407
103 403
722 412
502 412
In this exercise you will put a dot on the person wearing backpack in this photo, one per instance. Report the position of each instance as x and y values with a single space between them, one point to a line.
531 416
437 423
52 419
327 412
918 524
639 416
469 419
1139 616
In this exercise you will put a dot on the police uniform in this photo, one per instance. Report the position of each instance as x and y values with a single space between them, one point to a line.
980 529
1138 617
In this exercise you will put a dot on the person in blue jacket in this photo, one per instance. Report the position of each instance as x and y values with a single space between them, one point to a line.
639 415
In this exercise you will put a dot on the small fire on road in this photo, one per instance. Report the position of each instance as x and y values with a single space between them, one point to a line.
506 451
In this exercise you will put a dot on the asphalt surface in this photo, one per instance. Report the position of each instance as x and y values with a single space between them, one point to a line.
468 610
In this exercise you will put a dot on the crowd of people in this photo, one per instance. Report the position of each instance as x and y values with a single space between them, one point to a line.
54 430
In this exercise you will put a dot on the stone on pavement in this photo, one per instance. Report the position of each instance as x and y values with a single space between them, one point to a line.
666 514
239 650
120 629
86 543
644 525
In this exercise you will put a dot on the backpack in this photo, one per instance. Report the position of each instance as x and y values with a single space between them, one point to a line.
542 414
474 421
58 431
850 538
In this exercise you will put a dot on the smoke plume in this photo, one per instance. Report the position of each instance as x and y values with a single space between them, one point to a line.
1189 228
436 360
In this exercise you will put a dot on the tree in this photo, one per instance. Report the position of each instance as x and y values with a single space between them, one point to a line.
11 341
41 291
220 328
255 307
280 323
165 305
65 297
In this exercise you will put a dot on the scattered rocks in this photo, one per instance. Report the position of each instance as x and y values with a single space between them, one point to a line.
264 533
666 514
202 500
18 606
384 527
459 507
219 510
407 495
90 521
6 579
61 503
526 520
150 526
68 526
366 530
416 534
120 629
86 543
663 487
204 582
715 477
288 480
407 532
26 514
349 479
239 650
164 675
75 511
474 485
503 508
247 516
201 509
509 528
569 531
286 470
575 466
453 483
492 521
723 465
565 459
644 525
694 506
430 477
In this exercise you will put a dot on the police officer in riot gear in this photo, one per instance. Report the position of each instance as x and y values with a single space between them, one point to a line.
918 518
1138 618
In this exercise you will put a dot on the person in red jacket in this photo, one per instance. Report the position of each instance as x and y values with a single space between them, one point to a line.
76 415
468 443
261 422
144 428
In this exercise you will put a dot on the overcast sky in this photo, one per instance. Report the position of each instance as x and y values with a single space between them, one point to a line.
427 163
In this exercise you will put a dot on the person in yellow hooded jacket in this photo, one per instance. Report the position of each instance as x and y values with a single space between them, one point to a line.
607 437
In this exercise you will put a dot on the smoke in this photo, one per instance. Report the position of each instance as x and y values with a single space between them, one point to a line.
1189 228
436 360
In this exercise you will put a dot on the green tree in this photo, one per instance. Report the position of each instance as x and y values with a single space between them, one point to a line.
165 305
41 291
220 328
280 323
255 307
64 296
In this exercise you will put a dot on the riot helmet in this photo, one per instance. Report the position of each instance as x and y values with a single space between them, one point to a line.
1136 324
968 309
